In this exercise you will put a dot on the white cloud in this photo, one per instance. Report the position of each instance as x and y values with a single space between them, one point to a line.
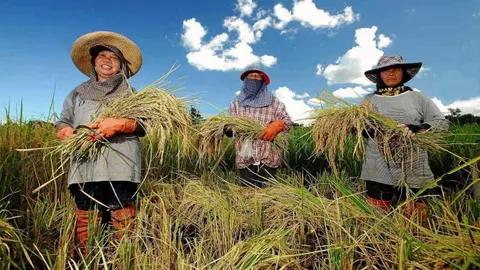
307 13
423 71
291 31
213 55
262 24
237 93
296 108
193 33
320 69
352 92
383 41
471 106
315 102
350 67
304 95
246 7
245 32
283 15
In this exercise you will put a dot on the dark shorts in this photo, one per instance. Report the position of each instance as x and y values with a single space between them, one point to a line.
386 192
255 175
113 195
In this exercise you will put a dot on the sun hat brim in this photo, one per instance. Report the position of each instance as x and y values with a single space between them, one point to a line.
81 50
264 75
411 68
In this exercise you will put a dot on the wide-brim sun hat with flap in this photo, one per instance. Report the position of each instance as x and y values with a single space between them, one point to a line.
83 60
392 61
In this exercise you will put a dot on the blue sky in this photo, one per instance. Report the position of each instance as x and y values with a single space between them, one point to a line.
305 45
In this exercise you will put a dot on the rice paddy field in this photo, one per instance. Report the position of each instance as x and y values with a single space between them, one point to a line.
193 215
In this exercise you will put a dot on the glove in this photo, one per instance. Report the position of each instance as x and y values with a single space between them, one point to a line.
411 130
111 126
65 133
272 130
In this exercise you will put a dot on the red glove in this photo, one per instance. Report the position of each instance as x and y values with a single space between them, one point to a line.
272 130
111 126
65 133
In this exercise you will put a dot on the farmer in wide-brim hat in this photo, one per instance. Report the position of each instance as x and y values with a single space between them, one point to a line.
108 183
258 160
417 113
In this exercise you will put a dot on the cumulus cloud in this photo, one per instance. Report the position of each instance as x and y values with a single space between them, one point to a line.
246 7
423 71
307 13
352 92
297 108
315 102
304 95
383 41
350 67
471 106
213 55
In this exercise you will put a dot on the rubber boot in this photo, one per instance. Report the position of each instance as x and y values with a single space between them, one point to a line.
122 220
82 227
382 204
418 209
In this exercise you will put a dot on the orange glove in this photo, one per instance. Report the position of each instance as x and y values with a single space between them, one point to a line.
65 133
272 130
111 126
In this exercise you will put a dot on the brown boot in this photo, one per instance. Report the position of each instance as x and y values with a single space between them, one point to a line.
384 205
122 220
417 209
82 227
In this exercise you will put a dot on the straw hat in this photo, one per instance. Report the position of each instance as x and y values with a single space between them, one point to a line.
255 69
81 50
392 61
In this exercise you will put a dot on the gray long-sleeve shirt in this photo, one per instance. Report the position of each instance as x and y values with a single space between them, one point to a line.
408 108
121 163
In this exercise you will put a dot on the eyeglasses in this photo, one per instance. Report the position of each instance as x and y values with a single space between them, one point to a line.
255 76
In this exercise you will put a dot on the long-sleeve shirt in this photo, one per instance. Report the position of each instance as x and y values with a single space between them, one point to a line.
408 108
119 162
258 152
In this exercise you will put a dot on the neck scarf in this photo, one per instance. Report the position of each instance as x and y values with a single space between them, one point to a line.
254 94
383 90
109 89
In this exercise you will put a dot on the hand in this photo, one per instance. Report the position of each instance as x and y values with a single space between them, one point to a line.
108 127
272 130
411 129
65 133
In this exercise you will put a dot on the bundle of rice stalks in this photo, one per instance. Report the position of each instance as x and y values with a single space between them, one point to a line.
334 126
211 134
155 108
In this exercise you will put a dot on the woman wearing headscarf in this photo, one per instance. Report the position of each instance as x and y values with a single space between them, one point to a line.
259 159
417 113
108 183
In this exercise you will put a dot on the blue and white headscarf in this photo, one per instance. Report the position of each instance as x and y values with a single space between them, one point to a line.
255 94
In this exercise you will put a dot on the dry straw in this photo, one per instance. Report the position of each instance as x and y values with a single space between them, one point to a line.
340 122
211 135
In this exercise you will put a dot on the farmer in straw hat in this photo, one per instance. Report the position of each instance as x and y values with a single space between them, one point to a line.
258 159
417 113
108 183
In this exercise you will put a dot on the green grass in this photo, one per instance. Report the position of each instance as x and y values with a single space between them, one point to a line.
191 217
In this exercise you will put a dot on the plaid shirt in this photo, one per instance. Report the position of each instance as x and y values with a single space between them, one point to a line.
259 151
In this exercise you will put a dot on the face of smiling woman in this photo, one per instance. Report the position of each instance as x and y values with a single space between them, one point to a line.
106 65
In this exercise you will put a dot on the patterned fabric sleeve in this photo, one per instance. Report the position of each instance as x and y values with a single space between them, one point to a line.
281 114
232 111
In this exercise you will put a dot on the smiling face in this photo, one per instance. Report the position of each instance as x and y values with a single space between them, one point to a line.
106 65
392 76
